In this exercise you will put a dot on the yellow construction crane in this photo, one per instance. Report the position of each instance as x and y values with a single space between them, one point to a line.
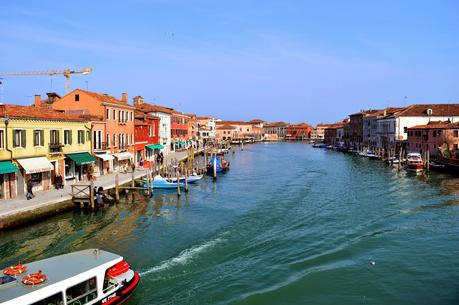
66 73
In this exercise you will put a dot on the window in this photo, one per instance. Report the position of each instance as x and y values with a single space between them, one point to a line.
405 129
54 136
120 141
132 114
114 139
434 134
19 138
82 293
2 139
455 146
114 114
56 299
80 136
88 135
77 97
108 140
119 115
38 138
68 137
107 115
456 133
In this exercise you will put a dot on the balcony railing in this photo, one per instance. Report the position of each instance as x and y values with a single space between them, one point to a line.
100 146
55 148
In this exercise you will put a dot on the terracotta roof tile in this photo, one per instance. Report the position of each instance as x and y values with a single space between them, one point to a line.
145 107
437 125
30 112
437 110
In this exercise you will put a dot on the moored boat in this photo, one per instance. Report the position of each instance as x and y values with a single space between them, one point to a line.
414 162
163 183
221 165
89 276
191 179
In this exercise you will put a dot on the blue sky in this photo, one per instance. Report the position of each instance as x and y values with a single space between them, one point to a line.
313 61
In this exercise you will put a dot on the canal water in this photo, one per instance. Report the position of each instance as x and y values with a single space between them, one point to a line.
288 224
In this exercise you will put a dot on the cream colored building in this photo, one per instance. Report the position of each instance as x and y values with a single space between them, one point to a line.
42 144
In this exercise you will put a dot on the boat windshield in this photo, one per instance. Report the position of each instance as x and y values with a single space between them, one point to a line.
110 284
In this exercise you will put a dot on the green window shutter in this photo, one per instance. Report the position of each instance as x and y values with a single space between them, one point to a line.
23 138
42 137
70 137
34 138
14 138
58 137
82 137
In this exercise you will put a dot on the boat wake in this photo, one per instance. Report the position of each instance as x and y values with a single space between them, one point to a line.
184 257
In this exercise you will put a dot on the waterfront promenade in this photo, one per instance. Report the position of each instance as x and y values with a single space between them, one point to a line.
50 202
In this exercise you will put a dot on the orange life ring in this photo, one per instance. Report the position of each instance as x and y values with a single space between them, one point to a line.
34 278
16 269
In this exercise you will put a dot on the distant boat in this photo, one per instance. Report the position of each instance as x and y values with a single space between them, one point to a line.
320 145
221 165
89 276
414 162
162 183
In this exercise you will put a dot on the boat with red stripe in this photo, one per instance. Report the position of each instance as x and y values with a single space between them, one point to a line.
89 276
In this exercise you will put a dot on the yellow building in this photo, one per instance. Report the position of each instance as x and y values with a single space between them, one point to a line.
41 144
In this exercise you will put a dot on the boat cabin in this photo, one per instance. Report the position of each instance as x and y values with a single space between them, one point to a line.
84 277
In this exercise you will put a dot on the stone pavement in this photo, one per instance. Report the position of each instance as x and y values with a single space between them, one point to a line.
14 206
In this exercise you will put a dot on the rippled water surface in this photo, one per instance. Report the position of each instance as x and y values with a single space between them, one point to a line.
288 224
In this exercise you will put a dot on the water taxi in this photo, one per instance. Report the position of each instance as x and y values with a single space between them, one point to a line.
89 277
414 162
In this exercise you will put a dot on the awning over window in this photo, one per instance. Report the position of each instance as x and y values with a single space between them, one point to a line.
124 156
6 167
81 158
35 165
155 146
105 157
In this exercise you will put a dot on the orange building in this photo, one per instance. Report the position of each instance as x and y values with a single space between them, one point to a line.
113 131
300 131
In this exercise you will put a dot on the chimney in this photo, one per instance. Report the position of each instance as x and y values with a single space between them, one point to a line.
138 100
37 101
124 98
52 97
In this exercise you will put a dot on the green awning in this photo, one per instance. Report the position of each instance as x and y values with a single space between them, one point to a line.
82 158
155 146
6 167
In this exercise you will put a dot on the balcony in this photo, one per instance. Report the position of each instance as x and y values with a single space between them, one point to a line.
55 148
102 146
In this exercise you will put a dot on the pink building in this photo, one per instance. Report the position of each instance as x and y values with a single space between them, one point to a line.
433 136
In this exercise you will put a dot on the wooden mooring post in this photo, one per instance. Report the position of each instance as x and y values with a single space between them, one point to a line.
186 180
117 188
91 194
215 167
178 182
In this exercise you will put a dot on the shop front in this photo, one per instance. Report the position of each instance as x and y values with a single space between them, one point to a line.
81 166
123 161
38 170
8 180
104 164
150 151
